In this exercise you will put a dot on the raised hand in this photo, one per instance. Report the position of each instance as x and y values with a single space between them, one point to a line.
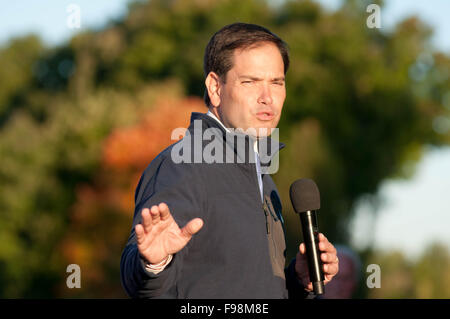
159 236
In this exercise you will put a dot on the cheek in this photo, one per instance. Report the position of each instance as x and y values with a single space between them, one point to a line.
244 102
246 96
279 102
280 96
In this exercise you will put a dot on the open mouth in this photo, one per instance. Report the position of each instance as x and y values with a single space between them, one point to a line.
265 115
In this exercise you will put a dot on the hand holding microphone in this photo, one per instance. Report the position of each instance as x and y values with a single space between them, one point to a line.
316 262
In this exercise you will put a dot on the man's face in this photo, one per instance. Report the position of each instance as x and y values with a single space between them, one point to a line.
254 92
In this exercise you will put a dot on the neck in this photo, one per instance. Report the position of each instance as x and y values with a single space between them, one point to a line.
214 114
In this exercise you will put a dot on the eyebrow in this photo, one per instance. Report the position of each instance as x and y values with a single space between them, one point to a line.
259 79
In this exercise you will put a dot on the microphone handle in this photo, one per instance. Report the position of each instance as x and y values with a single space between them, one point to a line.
311 239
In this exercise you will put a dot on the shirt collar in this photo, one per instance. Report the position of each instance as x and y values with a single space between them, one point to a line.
211 114
209 121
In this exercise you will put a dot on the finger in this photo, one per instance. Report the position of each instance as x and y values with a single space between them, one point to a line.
164 211
192 227
330 269
146 220
139 230
327 278
154 212
329 258
325 245
302 248
323 242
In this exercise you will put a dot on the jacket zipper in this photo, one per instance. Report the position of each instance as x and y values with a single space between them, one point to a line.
264 205
265 209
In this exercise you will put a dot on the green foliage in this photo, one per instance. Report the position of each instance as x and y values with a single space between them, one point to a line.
426 277
17 62
42 166
360 106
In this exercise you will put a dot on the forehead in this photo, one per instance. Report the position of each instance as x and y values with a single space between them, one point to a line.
259 59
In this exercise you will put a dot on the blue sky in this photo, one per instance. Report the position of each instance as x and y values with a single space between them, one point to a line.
433 12
415 212
48 18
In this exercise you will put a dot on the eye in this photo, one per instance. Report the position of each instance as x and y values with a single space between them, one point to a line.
247 81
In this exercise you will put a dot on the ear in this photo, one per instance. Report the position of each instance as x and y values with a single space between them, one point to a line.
214 86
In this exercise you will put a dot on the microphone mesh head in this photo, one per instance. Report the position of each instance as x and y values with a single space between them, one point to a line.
304 195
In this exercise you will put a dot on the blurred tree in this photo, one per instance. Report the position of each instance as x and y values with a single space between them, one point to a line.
356 83
425 277
17 68
97 232
42 166
396 276
431 276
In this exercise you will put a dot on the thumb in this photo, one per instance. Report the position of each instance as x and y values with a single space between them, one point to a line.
302 248
192 227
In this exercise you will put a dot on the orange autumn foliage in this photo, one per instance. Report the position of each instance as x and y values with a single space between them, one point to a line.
134 147
100 219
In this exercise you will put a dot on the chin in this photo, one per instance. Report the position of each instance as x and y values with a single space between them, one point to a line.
264 131
260 129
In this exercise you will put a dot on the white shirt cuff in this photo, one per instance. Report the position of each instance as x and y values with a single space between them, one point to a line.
157 268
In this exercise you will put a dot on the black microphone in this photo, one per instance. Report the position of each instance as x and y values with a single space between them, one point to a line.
305 198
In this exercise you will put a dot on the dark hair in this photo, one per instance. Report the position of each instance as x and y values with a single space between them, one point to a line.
219 51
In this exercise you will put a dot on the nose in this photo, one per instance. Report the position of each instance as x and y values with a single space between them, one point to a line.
265 95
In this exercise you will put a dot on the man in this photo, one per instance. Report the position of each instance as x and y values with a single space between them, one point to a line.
214 229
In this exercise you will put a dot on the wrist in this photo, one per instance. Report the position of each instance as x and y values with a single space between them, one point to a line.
159 267
161 263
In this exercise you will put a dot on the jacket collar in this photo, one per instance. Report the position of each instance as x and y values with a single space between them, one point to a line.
233 138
